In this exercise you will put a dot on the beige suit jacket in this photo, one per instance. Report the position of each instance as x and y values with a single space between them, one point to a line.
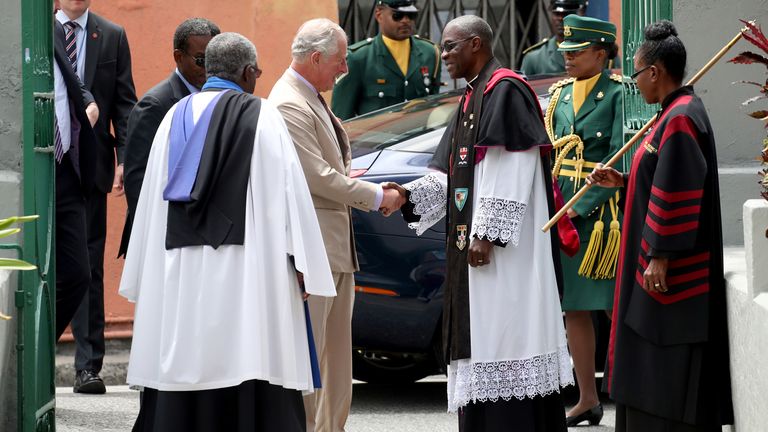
326 164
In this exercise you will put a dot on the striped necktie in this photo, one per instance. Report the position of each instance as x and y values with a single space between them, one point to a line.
58 146
70 42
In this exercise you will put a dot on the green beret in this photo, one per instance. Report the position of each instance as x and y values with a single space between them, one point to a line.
580 32
399 5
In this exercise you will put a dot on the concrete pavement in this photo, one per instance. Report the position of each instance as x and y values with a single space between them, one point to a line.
419 407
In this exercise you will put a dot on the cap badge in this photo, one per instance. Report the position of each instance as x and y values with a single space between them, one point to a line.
567 31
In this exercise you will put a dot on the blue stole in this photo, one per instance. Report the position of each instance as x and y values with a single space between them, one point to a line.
186 148
187 140
316 383
221 84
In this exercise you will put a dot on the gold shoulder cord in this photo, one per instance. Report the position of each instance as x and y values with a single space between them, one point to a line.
564 145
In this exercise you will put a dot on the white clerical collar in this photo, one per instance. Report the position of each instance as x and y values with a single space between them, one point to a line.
192 89
82 20
304 80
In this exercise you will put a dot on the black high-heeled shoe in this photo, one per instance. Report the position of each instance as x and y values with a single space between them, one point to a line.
592 415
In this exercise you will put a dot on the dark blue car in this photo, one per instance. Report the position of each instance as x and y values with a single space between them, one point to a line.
399 288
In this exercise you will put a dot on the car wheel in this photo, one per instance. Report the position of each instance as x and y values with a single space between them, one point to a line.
390 368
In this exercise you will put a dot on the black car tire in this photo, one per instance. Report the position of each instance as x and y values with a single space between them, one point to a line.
398 369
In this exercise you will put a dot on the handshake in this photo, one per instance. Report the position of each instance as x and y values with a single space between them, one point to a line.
394 198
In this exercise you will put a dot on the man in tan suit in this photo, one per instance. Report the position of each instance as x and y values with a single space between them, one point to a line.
319 57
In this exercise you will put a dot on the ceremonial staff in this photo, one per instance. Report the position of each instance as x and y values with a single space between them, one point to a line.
640 133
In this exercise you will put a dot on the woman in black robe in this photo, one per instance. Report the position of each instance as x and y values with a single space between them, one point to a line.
668 363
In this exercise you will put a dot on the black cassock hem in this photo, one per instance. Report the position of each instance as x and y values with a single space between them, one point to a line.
251 406
629 419
540 414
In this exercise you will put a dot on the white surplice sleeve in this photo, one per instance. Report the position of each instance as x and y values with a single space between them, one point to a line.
504 188
428 196
304 239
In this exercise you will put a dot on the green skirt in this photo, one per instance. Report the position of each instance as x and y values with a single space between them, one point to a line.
580 293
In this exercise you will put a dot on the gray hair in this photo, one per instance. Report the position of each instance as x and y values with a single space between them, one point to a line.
317 35
227 54
193 27
473 25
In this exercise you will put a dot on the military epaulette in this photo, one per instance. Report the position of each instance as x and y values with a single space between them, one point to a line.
536 45
620 78
561 83
425 39
357 45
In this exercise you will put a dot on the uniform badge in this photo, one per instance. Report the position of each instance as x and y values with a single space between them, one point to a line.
567 31
600 95
425 74
461 236
460 197
567 97
463 153
381 81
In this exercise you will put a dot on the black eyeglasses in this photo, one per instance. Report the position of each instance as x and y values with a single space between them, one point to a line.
450 46
398 16
199 61
256 71
637 74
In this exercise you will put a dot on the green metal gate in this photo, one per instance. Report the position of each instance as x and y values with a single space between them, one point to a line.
635 15
35 297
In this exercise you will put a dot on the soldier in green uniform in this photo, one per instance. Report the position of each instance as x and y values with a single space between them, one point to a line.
393 67
543 57
585 123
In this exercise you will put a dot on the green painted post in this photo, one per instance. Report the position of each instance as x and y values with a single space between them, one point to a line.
635 15
35 297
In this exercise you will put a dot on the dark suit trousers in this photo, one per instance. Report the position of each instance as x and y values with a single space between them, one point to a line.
73 273
88 322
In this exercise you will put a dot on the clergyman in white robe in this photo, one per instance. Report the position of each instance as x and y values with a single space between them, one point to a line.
212 318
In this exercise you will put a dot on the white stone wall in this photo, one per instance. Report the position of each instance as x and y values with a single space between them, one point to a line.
746 272
705 26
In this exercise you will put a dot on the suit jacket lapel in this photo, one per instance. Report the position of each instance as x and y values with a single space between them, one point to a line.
385 57
416 61
92 48
180 90
317 108
566 101
590 101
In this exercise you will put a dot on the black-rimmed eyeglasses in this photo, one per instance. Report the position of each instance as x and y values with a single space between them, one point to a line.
199 61
399 16
637 74
451 45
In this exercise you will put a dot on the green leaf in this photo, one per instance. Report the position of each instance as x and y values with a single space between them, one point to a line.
25 219
15 264
5 223
9 232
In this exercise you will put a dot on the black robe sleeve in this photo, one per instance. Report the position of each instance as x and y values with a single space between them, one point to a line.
672 222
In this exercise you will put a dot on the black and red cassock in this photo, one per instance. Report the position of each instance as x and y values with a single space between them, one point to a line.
668 355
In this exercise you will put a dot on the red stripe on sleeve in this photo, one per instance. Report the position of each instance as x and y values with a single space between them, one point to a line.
687 277
666 230
671 214
682 295
689 261
672 197
678 123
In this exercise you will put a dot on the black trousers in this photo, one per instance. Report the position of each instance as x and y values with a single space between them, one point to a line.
88 322
540 414
73 273
251 406
629 419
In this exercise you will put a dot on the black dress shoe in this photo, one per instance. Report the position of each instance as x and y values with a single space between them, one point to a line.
88 381
592 415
